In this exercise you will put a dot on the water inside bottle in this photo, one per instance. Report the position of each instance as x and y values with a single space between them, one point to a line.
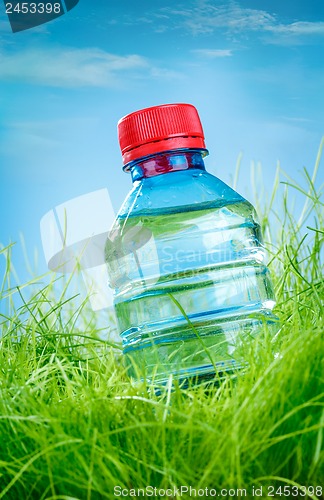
190 287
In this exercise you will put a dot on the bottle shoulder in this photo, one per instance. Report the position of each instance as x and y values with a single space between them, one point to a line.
178 191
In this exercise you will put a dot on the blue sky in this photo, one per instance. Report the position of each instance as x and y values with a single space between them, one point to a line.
254 70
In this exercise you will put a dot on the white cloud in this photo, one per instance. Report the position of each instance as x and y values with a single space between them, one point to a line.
296 119
293 34
213 53
205 17
72 67
299 28
68 67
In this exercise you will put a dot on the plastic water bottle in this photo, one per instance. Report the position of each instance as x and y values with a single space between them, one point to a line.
184 255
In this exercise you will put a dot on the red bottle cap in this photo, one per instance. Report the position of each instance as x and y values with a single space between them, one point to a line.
159 128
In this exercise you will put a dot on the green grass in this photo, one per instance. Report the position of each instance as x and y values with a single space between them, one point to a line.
73 426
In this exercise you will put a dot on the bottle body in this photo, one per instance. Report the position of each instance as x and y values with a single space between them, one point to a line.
186 263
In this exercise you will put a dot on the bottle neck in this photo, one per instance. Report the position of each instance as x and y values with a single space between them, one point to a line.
166 162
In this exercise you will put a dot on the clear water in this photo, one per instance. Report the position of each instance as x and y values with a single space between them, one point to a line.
190 287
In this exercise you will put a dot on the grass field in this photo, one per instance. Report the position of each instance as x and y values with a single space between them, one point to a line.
73 426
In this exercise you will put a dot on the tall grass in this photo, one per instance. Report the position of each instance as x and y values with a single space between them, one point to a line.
73 426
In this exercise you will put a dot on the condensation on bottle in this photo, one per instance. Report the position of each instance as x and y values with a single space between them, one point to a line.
185 255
